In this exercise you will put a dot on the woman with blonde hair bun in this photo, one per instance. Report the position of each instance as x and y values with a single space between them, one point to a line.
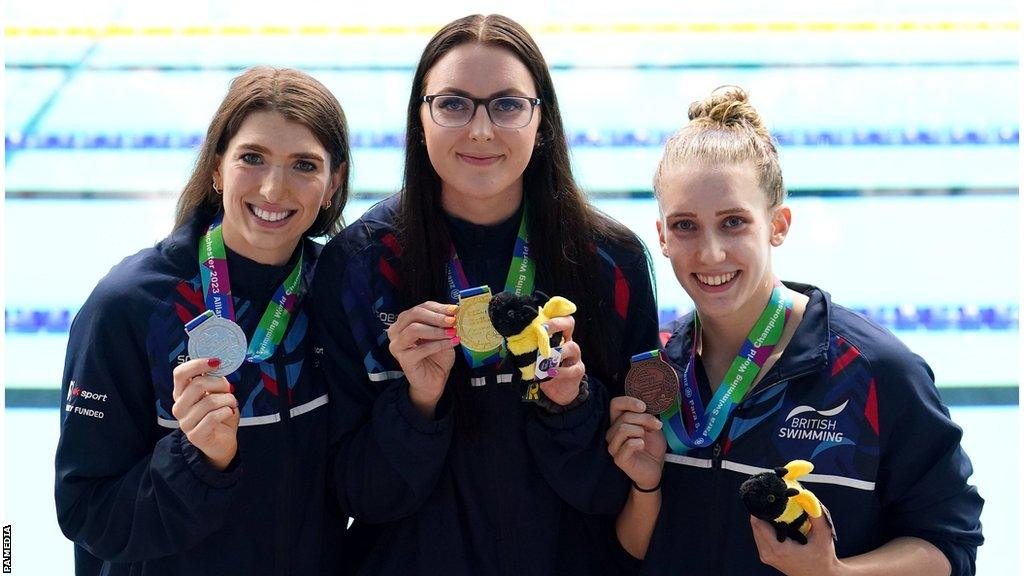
765 373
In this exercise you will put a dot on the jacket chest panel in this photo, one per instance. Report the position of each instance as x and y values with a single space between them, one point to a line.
263 389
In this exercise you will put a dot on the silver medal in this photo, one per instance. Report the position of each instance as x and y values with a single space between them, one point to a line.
218 337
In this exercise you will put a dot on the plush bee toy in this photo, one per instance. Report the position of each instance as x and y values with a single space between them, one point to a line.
520 320
779 499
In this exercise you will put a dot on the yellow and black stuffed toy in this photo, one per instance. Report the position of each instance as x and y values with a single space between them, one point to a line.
778 498
520 320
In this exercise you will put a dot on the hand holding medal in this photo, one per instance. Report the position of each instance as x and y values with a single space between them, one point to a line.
636 443
204 401
635 440
206 410
423 341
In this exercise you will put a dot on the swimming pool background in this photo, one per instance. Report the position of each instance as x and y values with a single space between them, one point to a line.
898 125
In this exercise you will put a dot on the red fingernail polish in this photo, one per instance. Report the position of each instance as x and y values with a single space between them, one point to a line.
449 332
231 388
455 341
213 362
553 372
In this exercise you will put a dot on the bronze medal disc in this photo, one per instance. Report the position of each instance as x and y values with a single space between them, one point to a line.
654 382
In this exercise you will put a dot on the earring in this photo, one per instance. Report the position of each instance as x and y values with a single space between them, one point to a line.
214 184
328 204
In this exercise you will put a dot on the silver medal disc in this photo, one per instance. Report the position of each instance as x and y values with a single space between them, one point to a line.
220 338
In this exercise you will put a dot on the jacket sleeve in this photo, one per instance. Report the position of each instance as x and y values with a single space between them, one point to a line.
570 448
386 457
123 492
923 471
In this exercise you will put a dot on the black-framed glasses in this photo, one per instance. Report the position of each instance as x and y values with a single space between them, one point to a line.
453 111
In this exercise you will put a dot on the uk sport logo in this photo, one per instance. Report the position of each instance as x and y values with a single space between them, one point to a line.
74 393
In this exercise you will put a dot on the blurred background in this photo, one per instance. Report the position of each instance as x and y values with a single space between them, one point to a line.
897 122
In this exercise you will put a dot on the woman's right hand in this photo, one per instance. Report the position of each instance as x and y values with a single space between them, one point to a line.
207 410
423 342
636 442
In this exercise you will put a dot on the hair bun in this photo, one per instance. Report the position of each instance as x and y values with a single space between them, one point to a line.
727 105
725 128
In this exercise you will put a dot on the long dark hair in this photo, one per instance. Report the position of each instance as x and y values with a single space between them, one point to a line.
298 97
563 227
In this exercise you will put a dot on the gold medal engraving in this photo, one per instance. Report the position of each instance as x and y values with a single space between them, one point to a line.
473 325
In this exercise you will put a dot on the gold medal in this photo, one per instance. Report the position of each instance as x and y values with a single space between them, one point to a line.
472 323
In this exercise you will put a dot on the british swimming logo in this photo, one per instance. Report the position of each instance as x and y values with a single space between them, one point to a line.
809 423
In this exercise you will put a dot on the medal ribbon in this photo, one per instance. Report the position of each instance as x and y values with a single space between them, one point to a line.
688 424
644 356
521 273
213 268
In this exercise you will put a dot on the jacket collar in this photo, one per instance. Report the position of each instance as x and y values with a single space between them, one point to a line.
182 246
806 352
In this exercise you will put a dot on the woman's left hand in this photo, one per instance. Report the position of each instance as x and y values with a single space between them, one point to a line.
817 557
563 388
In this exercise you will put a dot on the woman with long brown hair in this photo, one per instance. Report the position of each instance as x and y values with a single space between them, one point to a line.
463 465
192 439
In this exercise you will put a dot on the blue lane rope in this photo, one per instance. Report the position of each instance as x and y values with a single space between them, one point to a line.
913 317
900 318
1003 136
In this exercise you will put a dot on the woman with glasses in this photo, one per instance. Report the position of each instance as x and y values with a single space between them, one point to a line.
461 465
192 439
772 372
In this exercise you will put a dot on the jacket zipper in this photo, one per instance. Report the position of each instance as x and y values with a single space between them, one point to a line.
718 536
282 500
716 467
762 388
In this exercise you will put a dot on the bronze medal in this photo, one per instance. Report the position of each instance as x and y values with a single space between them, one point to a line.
473 325
652 380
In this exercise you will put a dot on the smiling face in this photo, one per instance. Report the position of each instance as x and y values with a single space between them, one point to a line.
274 176
718 231
480 165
